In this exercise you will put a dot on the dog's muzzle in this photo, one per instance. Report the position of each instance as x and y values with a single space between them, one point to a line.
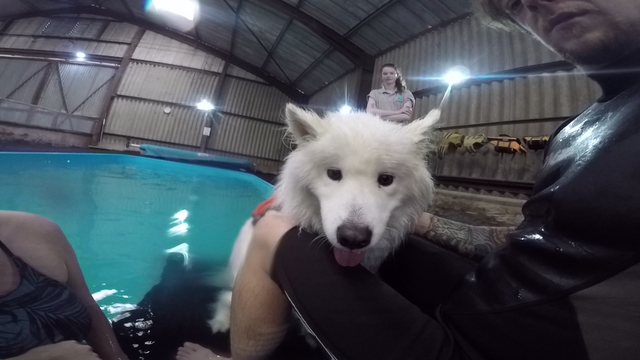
354 237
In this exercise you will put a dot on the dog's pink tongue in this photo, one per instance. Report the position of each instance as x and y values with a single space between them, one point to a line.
348 258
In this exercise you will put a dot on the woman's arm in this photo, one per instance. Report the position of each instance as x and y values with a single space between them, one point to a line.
101 337
373 109
404 113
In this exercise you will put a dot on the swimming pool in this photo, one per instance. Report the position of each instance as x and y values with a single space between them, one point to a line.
122 212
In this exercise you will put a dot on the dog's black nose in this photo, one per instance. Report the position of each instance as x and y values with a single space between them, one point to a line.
354 236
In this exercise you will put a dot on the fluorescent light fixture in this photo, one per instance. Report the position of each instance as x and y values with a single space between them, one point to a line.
186 9
345 109
205 105
81 55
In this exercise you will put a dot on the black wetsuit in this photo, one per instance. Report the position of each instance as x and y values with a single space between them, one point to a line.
567 286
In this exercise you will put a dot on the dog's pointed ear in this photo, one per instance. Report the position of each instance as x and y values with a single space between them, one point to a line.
304 125
421 129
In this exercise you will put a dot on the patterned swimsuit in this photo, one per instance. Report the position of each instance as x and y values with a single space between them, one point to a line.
38 312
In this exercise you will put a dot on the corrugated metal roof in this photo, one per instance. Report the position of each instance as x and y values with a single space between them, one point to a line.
387 23
118 31
158 48
216 24
12 7
404 19
298 49
236 71
331 68
343 91
252 99
146 119
30 26
263 21
165 83
341 15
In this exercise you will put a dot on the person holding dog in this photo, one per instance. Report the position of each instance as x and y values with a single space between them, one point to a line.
565 284
392 102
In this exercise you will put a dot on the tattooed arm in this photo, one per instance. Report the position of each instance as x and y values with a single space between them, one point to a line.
467 240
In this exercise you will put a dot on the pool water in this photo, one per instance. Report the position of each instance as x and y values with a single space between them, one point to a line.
122 212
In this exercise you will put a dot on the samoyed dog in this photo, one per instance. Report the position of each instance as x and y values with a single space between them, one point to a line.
357 180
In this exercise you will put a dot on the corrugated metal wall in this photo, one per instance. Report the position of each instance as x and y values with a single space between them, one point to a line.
71 88
163 73
343 91
77 89
550 95
522 106
166 83
527 106
147 120
252 99
250 137
468 43
169 74
20 78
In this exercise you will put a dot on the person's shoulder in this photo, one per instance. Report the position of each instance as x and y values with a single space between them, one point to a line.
407 93
374 92
30 227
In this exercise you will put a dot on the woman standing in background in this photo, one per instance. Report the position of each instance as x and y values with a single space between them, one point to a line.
392 102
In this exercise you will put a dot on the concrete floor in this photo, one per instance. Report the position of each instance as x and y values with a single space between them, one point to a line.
480 210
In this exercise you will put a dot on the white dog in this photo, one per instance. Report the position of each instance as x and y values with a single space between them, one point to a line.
359 181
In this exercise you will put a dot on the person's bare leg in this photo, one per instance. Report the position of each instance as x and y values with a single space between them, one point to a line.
191 351
259 310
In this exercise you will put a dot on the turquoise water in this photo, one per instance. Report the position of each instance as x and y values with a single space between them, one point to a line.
118 212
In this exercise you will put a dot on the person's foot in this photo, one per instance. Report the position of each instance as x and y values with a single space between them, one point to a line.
191 351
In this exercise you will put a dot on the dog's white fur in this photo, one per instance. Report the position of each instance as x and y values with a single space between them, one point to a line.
361 146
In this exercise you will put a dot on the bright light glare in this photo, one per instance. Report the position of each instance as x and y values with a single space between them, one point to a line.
179 229
205 105
180 216
81 55
346 109
186 9
454 77
103 294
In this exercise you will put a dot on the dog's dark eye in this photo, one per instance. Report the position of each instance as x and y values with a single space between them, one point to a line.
334 174
385 179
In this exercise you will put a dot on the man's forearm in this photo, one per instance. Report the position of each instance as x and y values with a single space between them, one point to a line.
467 240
